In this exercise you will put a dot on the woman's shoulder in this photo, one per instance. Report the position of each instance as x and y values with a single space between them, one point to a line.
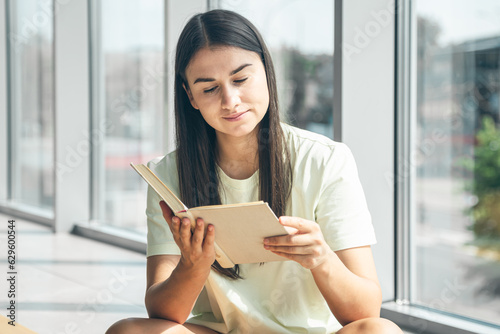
308 143
165 167
163 161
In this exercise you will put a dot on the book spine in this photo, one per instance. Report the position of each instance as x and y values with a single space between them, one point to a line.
220 255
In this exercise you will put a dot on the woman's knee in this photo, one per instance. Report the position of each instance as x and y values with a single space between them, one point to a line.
379 325
124 326
152 325
371 325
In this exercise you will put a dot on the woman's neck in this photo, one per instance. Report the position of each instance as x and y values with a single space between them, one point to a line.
238 157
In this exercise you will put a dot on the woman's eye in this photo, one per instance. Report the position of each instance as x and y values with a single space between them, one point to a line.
211 90
240 80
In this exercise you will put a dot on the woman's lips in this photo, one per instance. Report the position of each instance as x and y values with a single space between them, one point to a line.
235 117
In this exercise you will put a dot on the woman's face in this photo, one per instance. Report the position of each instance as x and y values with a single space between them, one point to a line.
228 86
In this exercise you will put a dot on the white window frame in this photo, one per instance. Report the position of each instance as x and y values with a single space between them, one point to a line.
367 121
4 156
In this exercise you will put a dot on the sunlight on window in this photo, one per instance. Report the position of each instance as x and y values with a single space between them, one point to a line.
457 242
129 76
31 104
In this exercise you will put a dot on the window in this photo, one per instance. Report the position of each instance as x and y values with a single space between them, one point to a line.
300 37
128 105
31 97
457 144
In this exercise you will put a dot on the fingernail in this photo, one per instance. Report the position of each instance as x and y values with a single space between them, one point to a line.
266 241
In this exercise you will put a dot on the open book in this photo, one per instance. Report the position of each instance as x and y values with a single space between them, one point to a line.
240 229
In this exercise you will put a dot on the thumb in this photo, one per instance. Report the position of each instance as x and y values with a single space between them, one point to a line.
167 212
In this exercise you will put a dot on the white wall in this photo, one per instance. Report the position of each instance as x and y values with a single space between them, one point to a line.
368 116
73 135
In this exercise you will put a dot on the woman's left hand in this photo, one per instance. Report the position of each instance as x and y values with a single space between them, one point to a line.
305 244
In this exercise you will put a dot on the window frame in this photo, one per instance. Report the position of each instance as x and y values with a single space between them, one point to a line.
375 157
4 128
96 105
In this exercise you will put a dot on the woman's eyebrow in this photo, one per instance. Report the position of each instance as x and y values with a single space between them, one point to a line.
232 73
239 69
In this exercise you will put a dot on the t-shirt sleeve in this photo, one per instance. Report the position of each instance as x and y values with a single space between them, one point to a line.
160 238
342 211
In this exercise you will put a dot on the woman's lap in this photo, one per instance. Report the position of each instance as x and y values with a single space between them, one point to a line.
157 326
154 326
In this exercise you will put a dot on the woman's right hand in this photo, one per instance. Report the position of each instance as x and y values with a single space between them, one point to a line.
197 248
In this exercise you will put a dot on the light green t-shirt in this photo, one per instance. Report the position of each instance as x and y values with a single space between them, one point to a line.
278 297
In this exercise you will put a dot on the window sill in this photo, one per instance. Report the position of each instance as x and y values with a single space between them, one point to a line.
24 211
112 236
420 320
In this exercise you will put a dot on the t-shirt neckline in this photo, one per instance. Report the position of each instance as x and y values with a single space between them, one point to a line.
238 184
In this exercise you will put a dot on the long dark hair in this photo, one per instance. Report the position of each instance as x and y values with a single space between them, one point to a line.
196 140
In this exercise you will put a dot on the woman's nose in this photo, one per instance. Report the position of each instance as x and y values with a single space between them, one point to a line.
230 97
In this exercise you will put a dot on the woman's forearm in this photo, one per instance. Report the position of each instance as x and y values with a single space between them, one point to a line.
350 297
174 298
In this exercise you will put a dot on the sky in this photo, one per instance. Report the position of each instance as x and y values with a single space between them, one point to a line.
304 24
131 24
462 20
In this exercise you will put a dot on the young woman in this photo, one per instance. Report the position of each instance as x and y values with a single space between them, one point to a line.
231 147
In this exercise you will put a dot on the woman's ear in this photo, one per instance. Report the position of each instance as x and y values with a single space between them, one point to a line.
190 96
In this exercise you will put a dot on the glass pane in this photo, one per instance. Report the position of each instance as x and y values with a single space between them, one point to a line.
457 241
129 79
300 37
31 91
